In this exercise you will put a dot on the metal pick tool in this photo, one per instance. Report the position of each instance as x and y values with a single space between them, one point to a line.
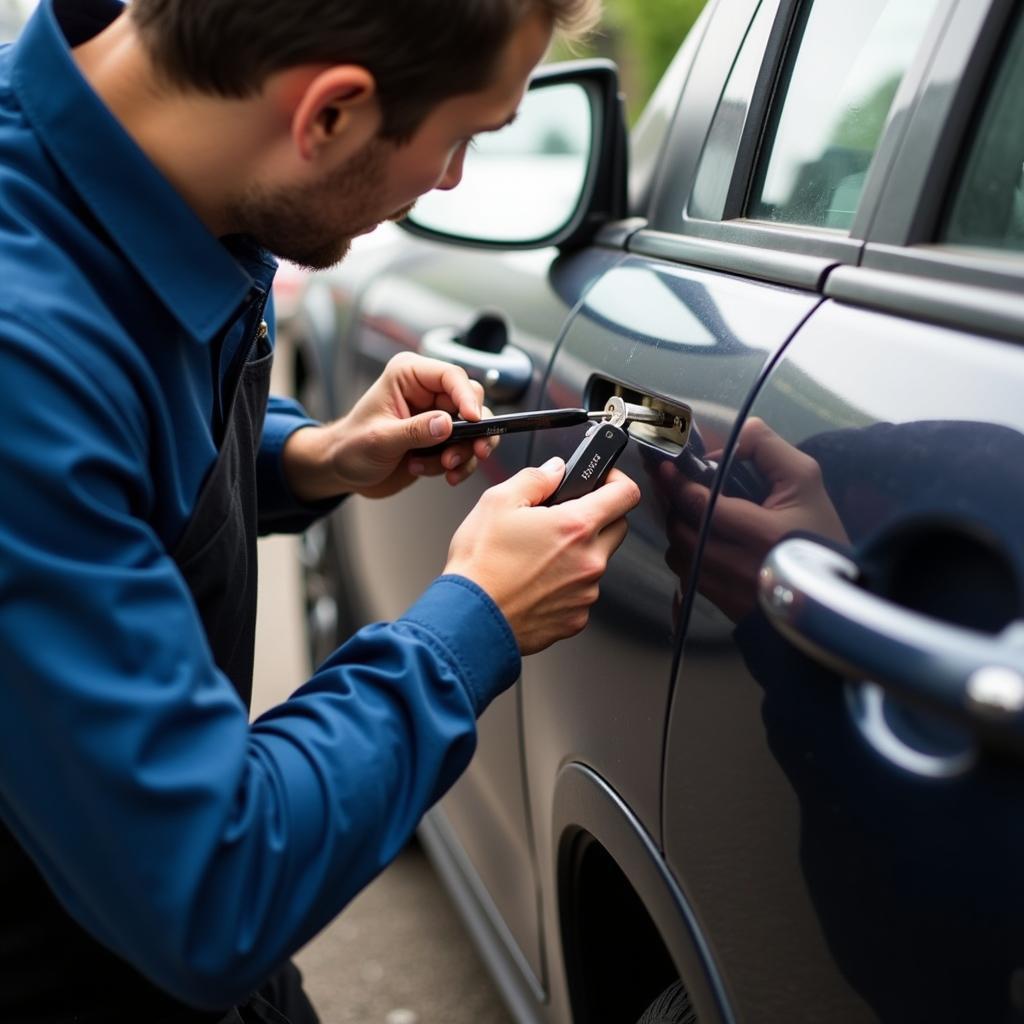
617 412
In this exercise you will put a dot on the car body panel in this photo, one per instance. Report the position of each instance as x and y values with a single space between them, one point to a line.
753 801
774 796
691 337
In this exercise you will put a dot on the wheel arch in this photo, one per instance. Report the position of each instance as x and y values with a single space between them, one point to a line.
620 907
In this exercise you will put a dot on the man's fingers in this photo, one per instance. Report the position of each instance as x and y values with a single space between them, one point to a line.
467 394
456 463
394 438
612 536
483 446
461 472
429 428
423 381
444 403
532 486
612 500
425 466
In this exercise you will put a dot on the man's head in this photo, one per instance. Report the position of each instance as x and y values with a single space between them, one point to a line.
419 52
378 98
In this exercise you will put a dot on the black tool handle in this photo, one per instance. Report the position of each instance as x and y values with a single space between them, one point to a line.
590 463
511 423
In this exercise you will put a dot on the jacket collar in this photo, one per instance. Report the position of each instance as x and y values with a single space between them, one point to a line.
190 271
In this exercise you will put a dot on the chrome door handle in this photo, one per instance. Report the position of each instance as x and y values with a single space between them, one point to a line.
505 374
810 594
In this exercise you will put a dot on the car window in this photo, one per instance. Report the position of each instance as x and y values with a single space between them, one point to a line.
716 163
845 64
988 205
13 15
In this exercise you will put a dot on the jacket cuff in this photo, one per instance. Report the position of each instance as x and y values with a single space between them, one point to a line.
280 510
475 635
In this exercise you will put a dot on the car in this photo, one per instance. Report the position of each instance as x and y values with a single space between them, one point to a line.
779 776
13 15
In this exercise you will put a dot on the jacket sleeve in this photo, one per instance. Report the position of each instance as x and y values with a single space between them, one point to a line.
280 511
122 745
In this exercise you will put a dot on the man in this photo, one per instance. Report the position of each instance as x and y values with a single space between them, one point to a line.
159 853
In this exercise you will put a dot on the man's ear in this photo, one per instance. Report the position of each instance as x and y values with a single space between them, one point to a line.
338 108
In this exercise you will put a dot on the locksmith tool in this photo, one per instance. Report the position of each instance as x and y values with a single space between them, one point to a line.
601 446
512 423
547 419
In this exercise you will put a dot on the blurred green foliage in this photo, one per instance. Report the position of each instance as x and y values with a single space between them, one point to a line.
641 36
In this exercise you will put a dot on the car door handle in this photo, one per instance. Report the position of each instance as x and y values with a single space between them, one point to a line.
810 594
486 354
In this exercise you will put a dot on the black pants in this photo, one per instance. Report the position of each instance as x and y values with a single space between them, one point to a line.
281 1000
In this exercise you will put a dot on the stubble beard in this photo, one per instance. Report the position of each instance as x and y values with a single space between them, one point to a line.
313 225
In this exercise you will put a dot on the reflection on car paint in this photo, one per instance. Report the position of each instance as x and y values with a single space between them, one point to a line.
910 833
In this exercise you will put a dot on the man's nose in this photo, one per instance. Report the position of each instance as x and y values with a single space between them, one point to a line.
453 172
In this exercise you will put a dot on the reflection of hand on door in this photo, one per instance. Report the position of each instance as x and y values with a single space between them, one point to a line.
741 532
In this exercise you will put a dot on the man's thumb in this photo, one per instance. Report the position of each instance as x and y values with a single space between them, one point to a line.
535 485
423 431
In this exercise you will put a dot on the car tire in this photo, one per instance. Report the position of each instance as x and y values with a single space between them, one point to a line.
322 598
320 592
671 1007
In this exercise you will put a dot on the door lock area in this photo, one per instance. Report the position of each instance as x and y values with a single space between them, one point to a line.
670 422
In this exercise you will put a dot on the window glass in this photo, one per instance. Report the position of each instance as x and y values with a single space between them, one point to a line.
714 174
988 208
845 66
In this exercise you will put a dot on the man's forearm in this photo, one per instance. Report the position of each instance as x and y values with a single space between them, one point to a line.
309 461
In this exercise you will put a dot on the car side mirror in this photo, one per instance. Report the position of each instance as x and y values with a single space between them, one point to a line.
552 177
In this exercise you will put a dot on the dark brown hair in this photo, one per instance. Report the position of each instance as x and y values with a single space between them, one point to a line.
419 51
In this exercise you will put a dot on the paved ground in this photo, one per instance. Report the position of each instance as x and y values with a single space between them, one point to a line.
398 954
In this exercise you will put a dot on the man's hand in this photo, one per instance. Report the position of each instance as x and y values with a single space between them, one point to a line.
742 533
371 451
542 565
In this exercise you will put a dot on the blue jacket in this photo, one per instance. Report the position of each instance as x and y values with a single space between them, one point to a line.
200 848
